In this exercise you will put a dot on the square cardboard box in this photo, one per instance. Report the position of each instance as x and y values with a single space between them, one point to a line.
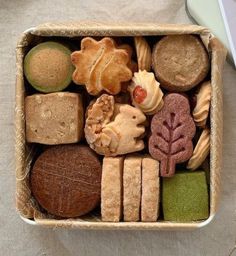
25 152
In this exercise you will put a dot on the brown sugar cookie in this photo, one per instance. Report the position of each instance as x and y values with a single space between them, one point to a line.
132 188
111 193
172 131
54 118
101 66
66 180
180 62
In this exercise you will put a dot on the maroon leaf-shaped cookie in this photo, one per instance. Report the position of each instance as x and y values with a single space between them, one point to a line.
172 131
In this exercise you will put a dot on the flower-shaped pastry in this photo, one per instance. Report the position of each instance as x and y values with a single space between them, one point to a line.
100 65
146 93
114 129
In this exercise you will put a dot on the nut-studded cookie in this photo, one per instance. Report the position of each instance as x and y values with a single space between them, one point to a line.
101 66
54 118
180 62
113 129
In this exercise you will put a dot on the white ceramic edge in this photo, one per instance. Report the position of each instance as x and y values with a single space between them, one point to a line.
206 222
29 30
31 222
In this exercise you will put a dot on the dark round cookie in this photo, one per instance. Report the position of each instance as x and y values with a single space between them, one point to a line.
180 62
66 180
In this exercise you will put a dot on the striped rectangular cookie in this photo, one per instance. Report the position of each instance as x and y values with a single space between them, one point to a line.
111 190
132 188
150 189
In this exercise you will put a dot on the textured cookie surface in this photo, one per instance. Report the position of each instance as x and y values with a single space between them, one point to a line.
132 188
150 189
185 197
55 118
48 67
111 194
180 62
100 65
172 130
66 180
113 129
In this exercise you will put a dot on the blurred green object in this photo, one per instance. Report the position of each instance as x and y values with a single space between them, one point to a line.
185 197
208 14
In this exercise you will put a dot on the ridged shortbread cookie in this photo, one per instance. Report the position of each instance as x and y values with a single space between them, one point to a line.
111 192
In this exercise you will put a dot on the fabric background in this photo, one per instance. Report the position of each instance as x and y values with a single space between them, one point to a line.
19 238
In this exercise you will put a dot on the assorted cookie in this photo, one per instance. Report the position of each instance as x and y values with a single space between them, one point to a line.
101 66
113 129
202 108
132 98
66 180
144 53
172 130
180 62
130 189
185 197
146 93
54 118
201 150
48 68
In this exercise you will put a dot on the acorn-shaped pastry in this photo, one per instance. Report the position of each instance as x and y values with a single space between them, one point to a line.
145 92
48 67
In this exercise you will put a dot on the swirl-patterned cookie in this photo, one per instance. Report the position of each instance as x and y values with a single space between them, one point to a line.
201 151
143 52
201 110
146 93
101 66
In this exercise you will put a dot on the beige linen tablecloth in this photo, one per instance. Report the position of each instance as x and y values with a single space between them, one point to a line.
18 238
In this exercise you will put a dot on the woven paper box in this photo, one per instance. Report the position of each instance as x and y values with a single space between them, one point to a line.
25 153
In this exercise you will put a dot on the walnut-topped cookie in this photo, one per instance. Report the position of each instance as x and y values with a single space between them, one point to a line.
101 66
114 129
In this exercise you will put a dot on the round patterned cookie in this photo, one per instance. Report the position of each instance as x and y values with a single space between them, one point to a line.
180 62
66 180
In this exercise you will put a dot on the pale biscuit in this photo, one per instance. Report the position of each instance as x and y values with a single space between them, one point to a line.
150 189
132 188
111 191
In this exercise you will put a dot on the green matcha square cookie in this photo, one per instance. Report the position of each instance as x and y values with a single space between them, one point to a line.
185 197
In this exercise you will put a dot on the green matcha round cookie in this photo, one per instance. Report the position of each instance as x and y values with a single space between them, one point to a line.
48 67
